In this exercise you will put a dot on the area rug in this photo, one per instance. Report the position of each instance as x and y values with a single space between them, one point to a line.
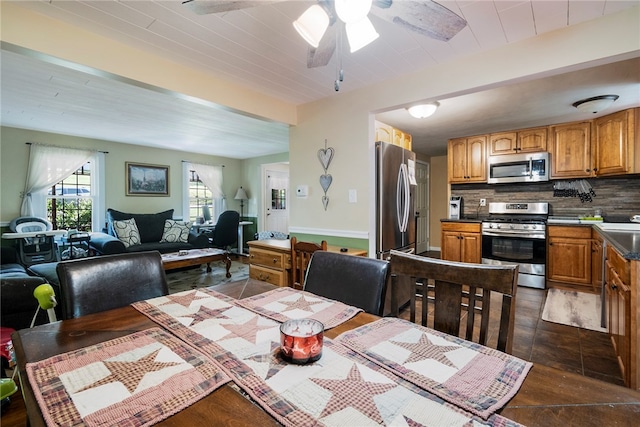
572 308
194 278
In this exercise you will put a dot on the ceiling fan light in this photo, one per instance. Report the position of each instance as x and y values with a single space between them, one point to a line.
312 24
595 104
350 11
360 34
423 110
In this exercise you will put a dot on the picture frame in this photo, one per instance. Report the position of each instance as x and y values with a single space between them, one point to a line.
146 180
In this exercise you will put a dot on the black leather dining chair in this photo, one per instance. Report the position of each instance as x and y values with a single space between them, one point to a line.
92 285
353 280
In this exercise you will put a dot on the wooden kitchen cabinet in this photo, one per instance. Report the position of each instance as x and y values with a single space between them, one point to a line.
269 261
616 144
571 150
596 261
569 257
523 141
387 133
621 330
467 159
461 241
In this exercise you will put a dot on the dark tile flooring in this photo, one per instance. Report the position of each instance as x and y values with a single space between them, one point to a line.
564 347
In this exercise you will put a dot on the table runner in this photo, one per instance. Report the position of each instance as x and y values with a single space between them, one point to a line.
342 388
286 303
476 378
139 379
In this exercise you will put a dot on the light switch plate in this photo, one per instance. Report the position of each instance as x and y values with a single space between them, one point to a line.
353 196
483 202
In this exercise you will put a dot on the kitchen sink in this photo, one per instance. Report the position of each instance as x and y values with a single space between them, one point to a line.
615 226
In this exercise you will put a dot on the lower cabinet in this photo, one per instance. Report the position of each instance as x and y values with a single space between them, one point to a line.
461 241
569 257
269 261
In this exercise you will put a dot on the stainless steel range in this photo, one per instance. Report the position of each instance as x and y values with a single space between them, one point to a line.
515 233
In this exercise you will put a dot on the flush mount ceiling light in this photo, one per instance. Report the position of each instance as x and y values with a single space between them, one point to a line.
422 111
595 104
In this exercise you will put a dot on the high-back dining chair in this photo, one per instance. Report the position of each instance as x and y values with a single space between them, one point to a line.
457 289
300 255
92 285
354 280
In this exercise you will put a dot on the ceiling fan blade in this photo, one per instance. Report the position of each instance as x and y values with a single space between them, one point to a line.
424 17
320 56
205 7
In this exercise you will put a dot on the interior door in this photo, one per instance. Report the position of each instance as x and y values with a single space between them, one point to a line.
421 205
277 201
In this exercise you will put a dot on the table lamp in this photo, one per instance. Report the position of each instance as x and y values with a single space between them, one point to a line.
242 196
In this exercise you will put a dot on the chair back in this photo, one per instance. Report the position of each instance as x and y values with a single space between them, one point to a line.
92 285
300 255
225 233
456 290
28 224
353 280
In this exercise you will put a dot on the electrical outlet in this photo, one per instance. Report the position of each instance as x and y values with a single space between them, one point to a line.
483 202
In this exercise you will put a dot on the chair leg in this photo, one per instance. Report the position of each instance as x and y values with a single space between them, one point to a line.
227 261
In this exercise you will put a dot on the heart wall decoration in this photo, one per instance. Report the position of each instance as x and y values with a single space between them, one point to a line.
325 155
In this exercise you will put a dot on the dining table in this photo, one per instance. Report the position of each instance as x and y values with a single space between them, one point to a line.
546 397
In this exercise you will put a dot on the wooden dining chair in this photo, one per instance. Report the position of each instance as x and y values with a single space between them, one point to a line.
92 285
300 255
455 290
354 280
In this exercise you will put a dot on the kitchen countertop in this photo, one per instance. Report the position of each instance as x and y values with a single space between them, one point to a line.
626 242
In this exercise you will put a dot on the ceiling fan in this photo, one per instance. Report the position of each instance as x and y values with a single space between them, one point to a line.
326 17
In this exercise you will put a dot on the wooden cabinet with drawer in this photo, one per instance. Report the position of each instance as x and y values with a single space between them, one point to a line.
569 257
269 261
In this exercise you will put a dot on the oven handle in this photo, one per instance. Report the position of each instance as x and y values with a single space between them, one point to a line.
525 234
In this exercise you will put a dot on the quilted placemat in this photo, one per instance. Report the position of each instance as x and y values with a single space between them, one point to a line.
139 379
342 388
284 303
476 378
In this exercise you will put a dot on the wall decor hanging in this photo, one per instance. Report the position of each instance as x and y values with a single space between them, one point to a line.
146 180
325 155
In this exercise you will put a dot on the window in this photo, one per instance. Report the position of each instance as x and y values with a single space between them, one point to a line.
200 198
70 201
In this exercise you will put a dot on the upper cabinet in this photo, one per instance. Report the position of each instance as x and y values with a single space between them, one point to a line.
571 150
467 159
615 143
523 141
606 146
386 133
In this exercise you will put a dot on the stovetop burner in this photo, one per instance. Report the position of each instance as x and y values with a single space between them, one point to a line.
521 219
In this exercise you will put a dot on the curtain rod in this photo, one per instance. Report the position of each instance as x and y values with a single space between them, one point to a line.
198 163
61 146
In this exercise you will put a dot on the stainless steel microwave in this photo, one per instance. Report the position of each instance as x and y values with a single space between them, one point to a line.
528 167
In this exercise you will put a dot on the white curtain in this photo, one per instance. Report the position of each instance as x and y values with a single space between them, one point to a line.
49 165
211 176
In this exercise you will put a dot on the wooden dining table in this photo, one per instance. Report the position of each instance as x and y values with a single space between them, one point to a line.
547 397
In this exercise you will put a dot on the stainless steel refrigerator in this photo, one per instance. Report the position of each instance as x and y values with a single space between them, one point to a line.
395 192
395 214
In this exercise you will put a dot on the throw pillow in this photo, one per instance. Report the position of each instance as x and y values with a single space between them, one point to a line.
175 231
150 226
127 232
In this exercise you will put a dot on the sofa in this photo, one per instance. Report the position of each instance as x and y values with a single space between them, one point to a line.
134 232
18 305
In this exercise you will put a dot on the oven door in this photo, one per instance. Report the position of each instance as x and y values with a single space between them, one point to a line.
528 252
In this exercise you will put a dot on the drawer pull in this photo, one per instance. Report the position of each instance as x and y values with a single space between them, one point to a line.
275 260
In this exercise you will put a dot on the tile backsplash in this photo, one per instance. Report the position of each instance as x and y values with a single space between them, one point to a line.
617 198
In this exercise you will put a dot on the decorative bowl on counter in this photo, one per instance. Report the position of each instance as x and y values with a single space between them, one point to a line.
301 340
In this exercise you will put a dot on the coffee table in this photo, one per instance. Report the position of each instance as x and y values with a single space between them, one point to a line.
191 257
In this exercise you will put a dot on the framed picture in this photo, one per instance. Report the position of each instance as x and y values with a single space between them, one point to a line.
147 180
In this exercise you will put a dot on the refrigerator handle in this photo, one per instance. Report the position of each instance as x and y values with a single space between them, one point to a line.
402 198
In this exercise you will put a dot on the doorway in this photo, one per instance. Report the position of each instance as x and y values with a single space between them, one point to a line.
421 206
275 198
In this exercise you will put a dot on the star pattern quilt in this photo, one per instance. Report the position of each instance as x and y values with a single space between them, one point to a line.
136 380
342 388
474 377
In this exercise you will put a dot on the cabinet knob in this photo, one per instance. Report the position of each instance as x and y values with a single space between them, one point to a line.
614 286
275 260
587 170
595 169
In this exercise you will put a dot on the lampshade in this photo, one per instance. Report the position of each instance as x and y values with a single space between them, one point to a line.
241 194
312 24
350 11
595 104
360 34
423 110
